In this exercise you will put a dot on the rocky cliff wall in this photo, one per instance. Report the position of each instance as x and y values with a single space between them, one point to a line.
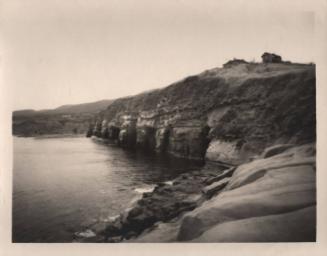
225 114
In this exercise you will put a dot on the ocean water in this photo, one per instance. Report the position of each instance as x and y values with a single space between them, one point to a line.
61 185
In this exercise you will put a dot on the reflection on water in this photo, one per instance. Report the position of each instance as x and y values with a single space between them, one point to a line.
63 184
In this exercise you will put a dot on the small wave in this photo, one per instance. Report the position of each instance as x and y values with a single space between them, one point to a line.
169 182
140 192
109 219
102 191
85 234
134 200
144 190
113 218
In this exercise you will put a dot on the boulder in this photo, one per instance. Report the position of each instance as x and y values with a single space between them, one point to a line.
223 152
112 228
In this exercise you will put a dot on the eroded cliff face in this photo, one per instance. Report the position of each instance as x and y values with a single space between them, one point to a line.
225 114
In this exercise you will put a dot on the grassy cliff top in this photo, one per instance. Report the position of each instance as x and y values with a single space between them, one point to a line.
216 87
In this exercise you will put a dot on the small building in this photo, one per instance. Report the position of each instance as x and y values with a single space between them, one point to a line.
271 58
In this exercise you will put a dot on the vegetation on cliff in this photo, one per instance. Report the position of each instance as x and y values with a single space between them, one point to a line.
249 106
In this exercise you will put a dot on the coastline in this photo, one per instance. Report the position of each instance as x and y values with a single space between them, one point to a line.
276 189
167 201
49 136
254 127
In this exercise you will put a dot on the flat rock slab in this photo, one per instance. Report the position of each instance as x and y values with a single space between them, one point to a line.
227 173
275 150
215 187
273 186
296 226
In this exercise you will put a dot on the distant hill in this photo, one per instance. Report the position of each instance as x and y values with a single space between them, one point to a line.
90 108
66 119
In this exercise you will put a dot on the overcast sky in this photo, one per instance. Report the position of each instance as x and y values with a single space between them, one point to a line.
75 51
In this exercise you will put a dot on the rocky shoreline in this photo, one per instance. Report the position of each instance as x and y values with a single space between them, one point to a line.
167 201
253 124
275 195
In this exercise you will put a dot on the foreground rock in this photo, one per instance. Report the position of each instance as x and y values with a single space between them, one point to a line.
295 226
272 199
259 195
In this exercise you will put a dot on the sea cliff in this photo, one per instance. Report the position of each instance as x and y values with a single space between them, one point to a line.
254 126
228 114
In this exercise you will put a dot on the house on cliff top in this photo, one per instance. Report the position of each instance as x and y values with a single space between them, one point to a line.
271 58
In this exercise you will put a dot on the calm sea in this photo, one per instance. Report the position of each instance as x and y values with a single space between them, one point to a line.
61 185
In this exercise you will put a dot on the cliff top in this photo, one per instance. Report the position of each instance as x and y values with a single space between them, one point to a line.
201 89
258 103
253 70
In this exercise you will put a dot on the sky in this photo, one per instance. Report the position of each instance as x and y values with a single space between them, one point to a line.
76 51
